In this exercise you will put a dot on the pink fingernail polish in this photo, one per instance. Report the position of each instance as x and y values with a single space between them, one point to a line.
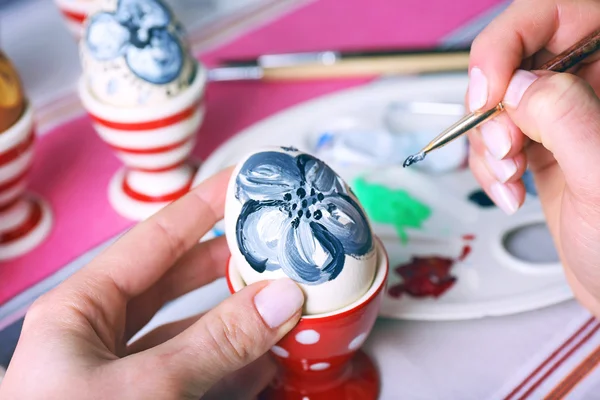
496 138
478 89
279 301
502 169
504 198
520 82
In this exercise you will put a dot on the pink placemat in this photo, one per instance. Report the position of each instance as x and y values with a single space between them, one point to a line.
73 167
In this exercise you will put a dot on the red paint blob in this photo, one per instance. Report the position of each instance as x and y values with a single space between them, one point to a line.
468 237
465 252
424 277
396 291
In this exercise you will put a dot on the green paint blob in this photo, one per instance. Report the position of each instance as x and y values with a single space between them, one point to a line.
391 206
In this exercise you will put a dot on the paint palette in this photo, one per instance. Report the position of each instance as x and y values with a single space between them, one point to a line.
466 258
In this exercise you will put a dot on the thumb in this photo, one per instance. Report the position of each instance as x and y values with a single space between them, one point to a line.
237 332
562 112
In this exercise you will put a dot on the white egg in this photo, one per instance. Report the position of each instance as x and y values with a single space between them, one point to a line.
289 214
134 53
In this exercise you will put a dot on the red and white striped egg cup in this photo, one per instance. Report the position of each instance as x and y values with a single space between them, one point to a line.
320 357
154 143
25 220
75 13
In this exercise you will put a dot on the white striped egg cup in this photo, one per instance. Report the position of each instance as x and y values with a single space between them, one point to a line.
75 12
154 143
25 219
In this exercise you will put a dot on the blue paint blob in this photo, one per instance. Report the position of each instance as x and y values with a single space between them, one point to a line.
480 198
217 232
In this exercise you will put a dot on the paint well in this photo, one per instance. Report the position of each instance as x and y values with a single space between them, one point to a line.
523 241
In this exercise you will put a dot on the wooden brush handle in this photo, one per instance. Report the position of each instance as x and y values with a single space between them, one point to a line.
574 54
404 64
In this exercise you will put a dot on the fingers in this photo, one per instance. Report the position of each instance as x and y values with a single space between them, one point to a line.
508 196
562 112
246 383
522 30
497 158
203 264
591 74
227 338
144 254
501 137
161 334
97 295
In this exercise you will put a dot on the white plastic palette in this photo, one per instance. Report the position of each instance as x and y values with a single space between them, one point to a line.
490 281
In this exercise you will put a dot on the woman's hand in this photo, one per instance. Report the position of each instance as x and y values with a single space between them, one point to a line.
552 125
74 343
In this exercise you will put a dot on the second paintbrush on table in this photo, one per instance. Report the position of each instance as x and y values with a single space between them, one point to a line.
342 64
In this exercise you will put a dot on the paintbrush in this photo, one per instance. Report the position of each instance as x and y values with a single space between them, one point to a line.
342 64
561 63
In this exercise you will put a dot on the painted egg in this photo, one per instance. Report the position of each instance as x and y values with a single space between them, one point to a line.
135 53
12 99
289 214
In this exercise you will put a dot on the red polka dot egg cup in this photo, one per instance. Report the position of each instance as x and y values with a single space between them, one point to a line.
320 358
154 143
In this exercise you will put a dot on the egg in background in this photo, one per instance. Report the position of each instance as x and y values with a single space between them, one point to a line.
135 53
313 231
12 98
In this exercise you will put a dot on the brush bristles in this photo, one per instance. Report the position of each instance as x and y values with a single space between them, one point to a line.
415 158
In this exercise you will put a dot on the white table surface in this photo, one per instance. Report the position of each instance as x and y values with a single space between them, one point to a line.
418 360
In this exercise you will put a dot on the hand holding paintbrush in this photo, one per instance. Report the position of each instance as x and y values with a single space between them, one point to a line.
561 63
550 124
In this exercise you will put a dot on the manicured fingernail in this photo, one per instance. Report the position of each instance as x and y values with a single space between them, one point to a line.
504 198
478 89
502 169
279 301
520 82
496 138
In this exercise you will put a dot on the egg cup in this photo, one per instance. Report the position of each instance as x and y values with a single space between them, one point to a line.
320 357
154 143
25 220
75 12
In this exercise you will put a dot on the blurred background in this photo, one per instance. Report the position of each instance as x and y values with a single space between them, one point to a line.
43 37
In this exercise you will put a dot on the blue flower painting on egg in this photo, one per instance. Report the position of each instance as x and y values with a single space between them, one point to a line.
142 32
298 216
